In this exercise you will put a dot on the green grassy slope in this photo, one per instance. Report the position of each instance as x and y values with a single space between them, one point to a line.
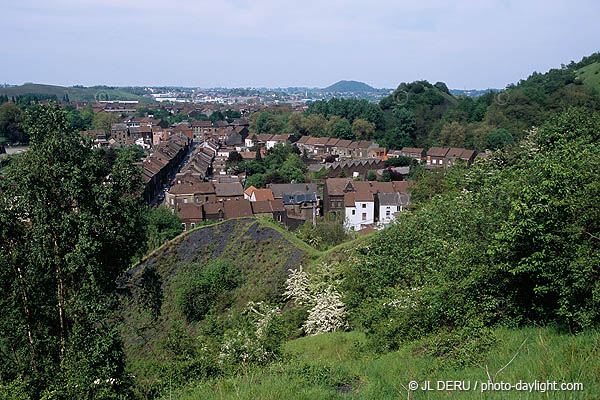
590 75
75 94
336 366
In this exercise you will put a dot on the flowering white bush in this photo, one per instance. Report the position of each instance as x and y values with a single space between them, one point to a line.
406 300
298 287
328 313
247 345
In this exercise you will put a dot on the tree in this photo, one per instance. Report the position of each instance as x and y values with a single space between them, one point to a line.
499 138
10 123
314 125
295 124
293 169
162 224
363 130
234 157
342 129
371 175
105 120
70 226
453 135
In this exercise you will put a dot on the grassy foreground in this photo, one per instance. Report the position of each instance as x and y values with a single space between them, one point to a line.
337 366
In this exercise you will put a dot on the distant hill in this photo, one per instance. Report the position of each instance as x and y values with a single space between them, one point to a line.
97 93
350 86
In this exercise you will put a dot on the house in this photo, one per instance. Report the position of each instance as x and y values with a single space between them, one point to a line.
190 215
120 133
333 194
301 199
301 143
229 191
277 139
270 208
361 149
237 136
237 208
214 211
359 210
468 156
188 189
202 129
389 204
377 152
418 153
353 168
436 156
261 195
342 148
248 155
97 135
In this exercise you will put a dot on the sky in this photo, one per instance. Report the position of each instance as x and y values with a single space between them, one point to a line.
280 43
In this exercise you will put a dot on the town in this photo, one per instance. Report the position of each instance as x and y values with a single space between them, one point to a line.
188 169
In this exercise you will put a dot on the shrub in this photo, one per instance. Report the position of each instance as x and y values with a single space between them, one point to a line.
207 287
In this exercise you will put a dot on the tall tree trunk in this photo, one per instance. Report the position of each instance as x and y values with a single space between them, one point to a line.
27 315
61 309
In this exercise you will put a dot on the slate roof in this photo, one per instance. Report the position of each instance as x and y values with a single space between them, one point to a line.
279 189
438 151
237 208
229 189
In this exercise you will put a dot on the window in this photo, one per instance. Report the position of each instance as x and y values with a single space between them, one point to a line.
387 213
364 205
192 225
364 216
184 227
353 212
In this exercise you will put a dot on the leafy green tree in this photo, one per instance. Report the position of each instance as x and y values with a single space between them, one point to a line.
256 180
69 227
499 138
10 123
363 130
162 225
371 175
105 120
398 162
342 129
453 135
293 169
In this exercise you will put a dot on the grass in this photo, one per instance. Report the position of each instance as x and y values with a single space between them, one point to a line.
336 366
590 75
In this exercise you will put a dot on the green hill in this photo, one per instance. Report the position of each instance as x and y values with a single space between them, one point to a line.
590 75
349 86
74 93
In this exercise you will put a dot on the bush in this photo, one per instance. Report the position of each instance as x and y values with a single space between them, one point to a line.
207 287
328 232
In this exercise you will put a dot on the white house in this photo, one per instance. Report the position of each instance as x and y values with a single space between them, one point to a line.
360 210
250 140
390 204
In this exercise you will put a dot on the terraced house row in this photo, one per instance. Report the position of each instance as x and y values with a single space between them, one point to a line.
162 164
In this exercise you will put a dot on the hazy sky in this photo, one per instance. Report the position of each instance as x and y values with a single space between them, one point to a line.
279 43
